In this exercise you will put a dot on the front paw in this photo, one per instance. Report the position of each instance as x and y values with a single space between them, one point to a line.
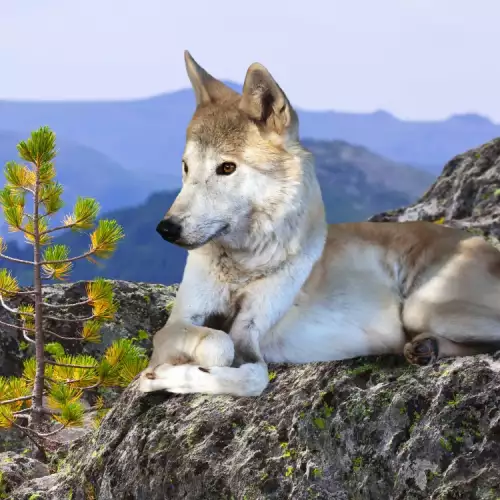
146 382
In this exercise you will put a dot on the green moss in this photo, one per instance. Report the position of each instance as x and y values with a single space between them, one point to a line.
457 399
416 419
169 306
361 370
319 423
272 376
357 464
142 335
288 452
269 428
358 410
327 410
3 486
431 475
445 444
317 473
289 471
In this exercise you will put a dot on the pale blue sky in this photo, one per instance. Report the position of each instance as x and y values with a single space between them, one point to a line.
419 59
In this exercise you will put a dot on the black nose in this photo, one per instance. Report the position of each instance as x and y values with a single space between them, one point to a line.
169 229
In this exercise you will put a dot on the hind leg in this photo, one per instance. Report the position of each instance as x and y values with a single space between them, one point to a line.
426 348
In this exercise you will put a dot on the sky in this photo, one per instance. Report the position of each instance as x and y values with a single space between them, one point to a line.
418 59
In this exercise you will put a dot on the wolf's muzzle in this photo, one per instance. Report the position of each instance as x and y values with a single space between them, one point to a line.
169 229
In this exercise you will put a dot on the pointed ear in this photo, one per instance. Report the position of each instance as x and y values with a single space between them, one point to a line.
265 102
206 88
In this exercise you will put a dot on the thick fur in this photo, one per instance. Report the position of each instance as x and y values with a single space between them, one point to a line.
267 280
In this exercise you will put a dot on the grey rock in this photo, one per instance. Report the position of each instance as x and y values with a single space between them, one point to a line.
466 194
17 469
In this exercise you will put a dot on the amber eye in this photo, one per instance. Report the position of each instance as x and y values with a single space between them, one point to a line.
185 167
226 168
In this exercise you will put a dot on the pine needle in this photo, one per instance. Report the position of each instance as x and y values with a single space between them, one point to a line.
61 270
105 238
8 284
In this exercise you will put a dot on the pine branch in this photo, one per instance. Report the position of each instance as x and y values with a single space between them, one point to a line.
27 292
62 337
15 400
69 365
66 306
13 259
64 226
39 434
47 332
22 413
10 309
25 335
9 325
69 259
41 449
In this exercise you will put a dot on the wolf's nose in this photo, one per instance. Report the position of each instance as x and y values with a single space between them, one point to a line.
169 229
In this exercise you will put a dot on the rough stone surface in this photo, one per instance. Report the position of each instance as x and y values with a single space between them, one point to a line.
370 428
363 429
466 195
18 469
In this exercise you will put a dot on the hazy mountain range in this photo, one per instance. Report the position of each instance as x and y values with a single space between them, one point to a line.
147 135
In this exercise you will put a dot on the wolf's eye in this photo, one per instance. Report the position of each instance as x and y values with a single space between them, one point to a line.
226 168
185 167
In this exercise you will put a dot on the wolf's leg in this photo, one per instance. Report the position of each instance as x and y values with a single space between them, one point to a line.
454 328
183 343
249 379
426 348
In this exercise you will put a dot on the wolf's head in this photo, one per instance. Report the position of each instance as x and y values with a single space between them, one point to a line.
242 167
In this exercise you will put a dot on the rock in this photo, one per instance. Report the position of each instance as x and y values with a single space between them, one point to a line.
142 306
17 469
466 195
371 428
362 429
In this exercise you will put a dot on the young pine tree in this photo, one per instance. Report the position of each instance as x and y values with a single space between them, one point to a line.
53 382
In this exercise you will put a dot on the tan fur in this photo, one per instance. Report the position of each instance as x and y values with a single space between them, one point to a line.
267 280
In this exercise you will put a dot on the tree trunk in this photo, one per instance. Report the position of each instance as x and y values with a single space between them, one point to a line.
37 402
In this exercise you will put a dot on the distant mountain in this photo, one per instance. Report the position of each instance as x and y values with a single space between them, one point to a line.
84 171
148 134
355 184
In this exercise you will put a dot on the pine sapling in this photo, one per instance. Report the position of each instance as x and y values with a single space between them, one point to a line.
53 382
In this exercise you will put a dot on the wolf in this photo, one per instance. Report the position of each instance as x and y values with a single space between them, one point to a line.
267 280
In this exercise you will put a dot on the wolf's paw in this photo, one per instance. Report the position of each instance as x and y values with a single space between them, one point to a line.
146 382
215 349
421 352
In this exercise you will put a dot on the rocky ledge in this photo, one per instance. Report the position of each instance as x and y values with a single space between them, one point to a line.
364 429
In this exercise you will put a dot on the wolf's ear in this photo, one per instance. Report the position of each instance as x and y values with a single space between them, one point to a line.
265 102
206 88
